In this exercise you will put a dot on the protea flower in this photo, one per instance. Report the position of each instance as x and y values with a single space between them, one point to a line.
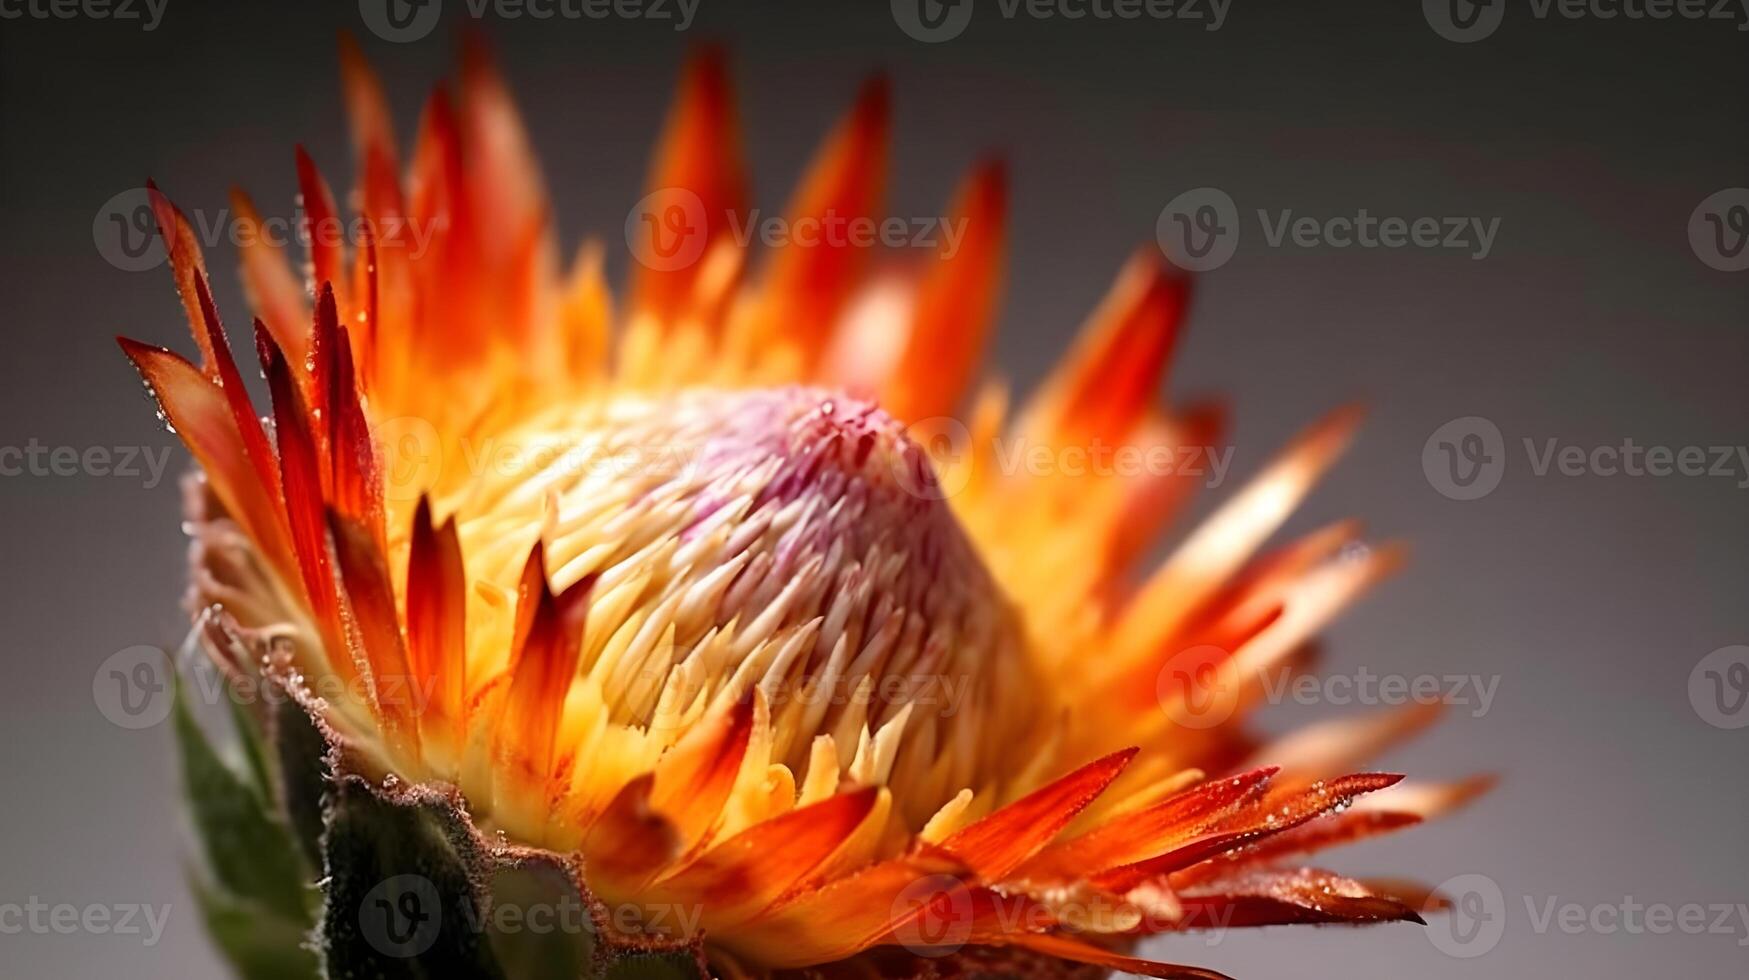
684 608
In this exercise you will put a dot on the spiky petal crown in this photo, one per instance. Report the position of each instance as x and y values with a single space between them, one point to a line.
722 633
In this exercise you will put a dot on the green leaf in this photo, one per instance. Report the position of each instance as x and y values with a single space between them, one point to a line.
254 755
301 752
402 899
249 853
260 944
540 927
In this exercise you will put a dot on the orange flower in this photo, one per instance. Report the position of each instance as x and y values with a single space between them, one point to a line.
710 591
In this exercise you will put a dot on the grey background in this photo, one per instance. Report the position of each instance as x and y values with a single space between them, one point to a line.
1591 598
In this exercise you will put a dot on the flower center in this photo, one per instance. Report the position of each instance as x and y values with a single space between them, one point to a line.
791 539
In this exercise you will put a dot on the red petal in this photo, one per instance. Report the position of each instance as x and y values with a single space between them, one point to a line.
956 304
367 109
503 180
186 264
1146 832
999 843
273 538
700 152
436 622
199 411
357 483
549 636
322 228
1308 838
693 779
274 292
1278 811
630 841
749 871
1079 951
1290 897
301 489
807 285
374 629
1111 377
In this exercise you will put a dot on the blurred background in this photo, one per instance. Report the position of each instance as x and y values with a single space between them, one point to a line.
1585 294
